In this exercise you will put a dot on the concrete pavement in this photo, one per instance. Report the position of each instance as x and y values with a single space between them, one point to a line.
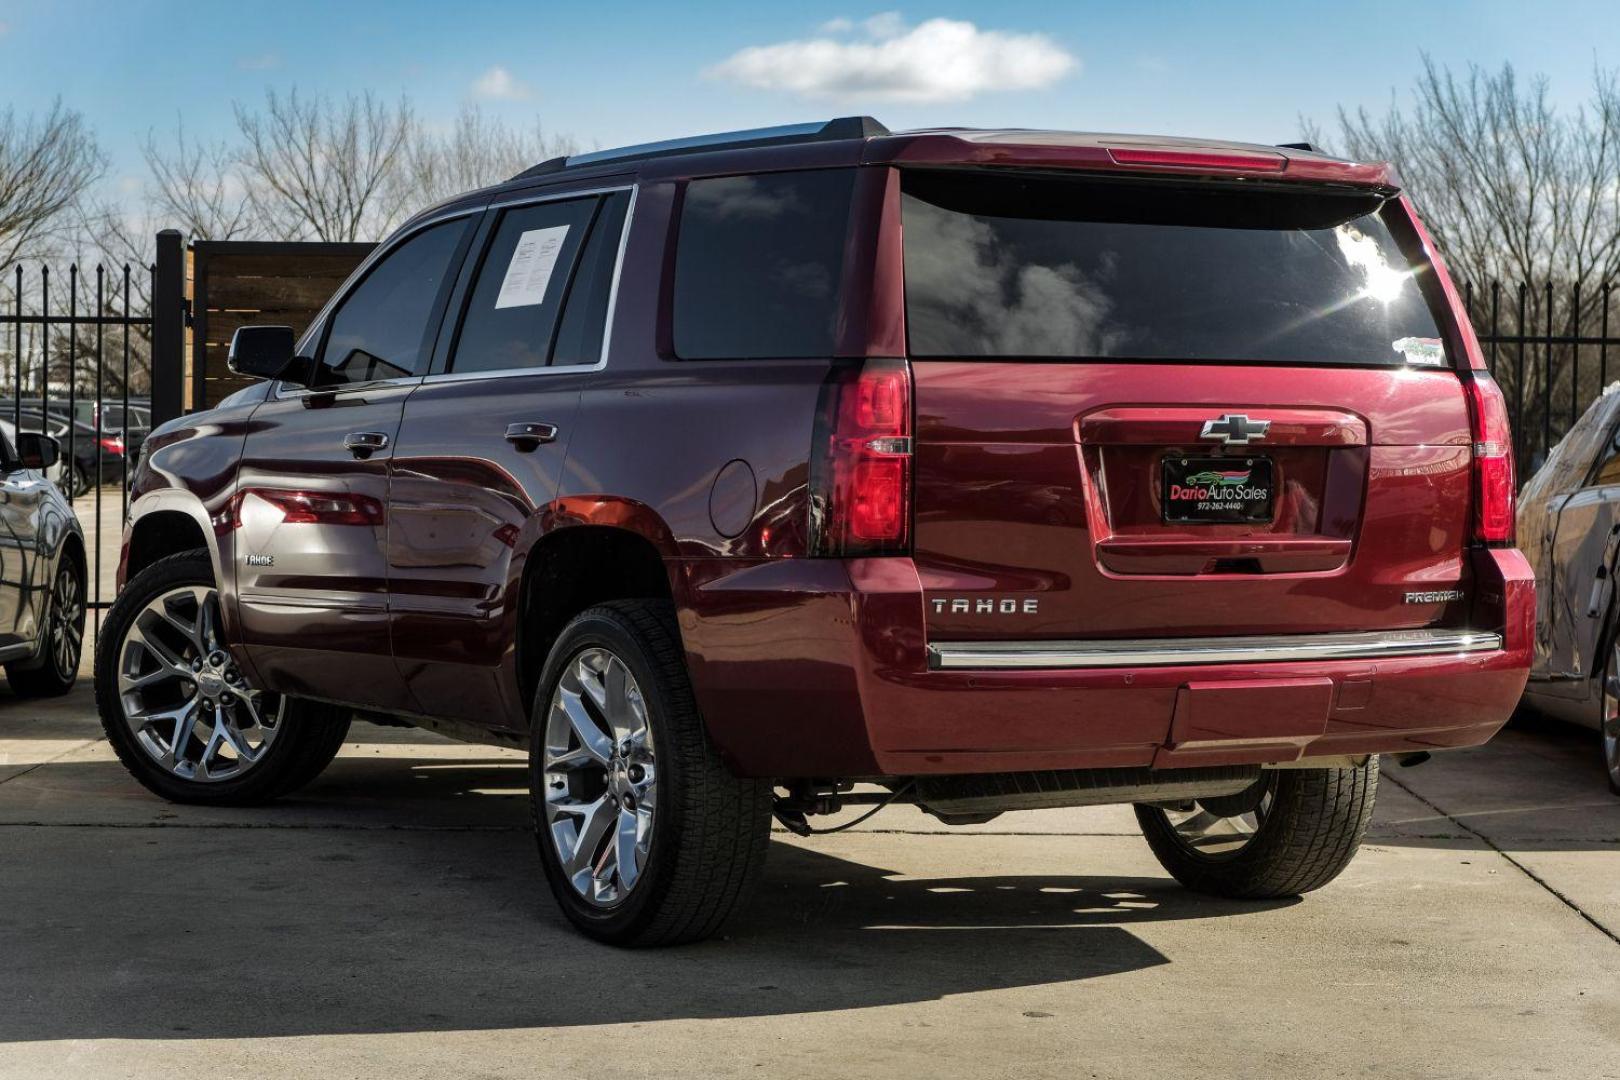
392 921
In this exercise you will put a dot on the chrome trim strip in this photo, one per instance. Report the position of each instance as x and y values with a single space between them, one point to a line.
1152 652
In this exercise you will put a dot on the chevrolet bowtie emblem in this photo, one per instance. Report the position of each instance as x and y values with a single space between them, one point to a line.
1235 429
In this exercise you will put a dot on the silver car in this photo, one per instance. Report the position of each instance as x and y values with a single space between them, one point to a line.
42 569
1569 528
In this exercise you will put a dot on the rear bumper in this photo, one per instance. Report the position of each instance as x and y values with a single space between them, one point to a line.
823 668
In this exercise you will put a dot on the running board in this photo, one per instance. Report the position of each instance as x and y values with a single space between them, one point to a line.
1172 652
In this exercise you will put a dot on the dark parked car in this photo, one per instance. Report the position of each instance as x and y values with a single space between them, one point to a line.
85 453
1569 521
1130 470
42 570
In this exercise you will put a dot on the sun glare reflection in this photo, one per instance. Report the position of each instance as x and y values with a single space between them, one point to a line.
1380 281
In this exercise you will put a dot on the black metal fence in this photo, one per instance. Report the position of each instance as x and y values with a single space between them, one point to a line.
75 362
1552 348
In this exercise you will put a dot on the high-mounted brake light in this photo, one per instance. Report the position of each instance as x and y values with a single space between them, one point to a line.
1494 487
860 467
1233 160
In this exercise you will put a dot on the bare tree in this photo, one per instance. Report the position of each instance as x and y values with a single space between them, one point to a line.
1524 201
319 169
477 151
324 169
198 187
1514 189
47 164
121 244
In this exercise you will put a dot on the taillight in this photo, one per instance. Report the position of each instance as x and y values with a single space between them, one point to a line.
112 444
860 467
1494 488
310 507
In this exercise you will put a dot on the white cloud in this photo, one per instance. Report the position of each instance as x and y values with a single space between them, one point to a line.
499 84
839 25
936 60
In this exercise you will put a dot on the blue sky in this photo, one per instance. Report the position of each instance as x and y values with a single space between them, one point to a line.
632 71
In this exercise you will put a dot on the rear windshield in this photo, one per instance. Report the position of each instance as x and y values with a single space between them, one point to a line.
1028 266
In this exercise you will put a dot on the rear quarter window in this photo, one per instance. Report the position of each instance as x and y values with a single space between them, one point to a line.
1034 266
758 263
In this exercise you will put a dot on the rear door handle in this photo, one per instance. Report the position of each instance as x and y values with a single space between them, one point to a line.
363 444
530 435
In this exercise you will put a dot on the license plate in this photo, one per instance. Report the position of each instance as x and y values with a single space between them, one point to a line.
1217 491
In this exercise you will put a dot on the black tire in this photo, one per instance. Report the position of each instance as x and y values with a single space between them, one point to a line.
711 829
309 733
78 481
1312 830
55 669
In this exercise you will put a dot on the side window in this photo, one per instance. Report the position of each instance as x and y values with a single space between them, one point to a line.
1609 472
584 318
380 331
511 311
758 262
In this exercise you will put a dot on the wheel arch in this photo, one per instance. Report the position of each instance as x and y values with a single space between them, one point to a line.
574 568
164 523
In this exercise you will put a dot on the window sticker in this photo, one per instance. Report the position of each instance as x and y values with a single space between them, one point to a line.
529 272
1423 351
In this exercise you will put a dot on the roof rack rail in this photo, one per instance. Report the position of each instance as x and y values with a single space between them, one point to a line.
843 127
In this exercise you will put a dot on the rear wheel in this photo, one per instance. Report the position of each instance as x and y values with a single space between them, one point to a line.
1292 831
1609 718
646 837
181 716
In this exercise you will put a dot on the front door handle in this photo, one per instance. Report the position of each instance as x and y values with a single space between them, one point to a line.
362 444
528 436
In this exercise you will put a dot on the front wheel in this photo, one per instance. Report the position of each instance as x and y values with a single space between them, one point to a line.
1292 831
1609 718
646 837
54 671
178 712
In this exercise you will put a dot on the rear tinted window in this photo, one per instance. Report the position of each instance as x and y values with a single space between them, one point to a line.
757 264
1039 267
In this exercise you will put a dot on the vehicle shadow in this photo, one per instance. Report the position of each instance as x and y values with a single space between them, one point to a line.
259 930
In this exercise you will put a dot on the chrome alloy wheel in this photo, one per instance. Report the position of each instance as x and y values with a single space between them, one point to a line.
65 621
600 777
182 695
1221 827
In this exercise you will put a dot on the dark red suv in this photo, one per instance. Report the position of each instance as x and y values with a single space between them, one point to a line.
816 467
